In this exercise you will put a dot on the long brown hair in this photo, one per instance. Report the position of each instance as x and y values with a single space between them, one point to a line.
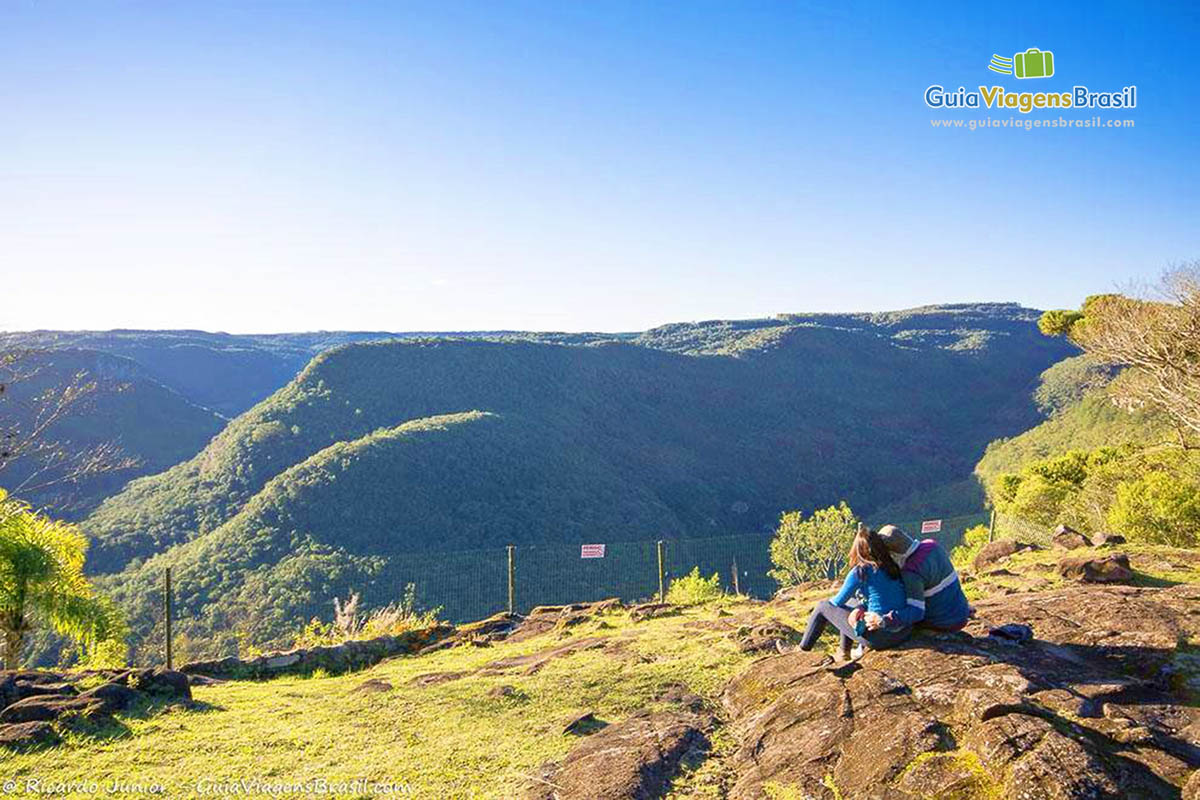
869 549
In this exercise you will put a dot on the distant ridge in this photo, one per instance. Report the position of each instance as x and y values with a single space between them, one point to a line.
411 444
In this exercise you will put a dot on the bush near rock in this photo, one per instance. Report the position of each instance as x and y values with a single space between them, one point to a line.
1090 568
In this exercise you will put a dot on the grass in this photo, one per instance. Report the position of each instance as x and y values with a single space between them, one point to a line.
448 740
1153 566
457 739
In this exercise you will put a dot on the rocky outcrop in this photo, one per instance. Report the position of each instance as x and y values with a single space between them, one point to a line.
647 611
630 760
1103 538
1093 568
765 637
993 552
1068 538
1090 707
35 702
334 659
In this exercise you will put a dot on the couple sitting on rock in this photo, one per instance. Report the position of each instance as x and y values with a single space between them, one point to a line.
894 584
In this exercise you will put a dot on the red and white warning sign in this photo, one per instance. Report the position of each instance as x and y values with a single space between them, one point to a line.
931 526
591 551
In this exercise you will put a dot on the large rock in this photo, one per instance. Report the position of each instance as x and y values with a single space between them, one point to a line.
112 697
25 734
1070 539
339 658
1106 538
45 708
1090 568
996 551
629 760
765 637
647 611
1087 709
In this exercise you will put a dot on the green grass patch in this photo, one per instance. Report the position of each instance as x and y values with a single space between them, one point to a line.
452 739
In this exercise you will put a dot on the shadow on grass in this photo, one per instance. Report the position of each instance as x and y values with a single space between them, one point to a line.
107 728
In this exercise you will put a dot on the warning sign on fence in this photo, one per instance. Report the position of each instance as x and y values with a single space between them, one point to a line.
931 526
591 551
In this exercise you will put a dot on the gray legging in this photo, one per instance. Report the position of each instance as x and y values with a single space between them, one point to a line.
826 613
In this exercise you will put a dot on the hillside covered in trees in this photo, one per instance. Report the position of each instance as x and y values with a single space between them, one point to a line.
1118 453
61 409
380 449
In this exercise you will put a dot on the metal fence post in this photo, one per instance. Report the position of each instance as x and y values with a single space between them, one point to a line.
511 584
167 614
992 526
662 594
736 590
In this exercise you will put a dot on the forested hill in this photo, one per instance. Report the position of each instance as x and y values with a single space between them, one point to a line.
120 407
410 445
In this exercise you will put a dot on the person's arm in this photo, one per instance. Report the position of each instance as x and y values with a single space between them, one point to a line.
914 601
849 588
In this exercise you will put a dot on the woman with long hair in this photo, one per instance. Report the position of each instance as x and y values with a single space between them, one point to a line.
866 609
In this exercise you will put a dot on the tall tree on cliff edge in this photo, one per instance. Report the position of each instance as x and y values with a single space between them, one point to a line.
1154 340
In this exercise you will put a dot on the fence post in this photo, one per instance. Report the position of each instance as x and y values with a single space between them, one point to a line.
511 584
992 526
662 593
167 614
736 590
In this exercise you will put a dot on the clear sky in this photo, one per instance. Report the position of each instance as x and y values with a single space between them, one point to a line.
250 166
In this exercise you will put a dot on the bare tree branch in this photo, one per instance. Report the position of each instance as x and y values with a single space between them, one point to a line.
1157 342
28 421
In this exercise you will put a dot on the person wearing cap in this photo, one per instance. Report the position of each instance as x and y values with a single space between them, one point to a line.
935 599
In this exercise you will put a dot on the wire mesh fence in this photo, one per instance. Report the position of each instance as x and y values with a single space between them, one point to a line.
471 585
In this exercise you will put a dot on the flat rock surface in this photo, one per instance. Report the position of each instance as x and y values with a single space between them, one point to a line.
1092 707
629 760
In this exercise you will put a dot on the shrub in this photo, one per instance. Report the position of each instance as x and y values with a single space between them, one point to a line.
813 548
1157 508
693 589
972 542
349 625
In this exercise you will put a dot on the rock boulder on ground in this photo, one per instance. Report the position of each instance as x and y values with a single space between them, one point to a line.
1103 538
997 551
1070 539
628 760
335 659
1090 708
33 702
651 610
24 734
765 637
1091 568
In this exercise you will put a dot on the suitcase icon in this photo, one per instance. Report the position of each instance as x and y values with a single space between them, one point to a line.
1034 63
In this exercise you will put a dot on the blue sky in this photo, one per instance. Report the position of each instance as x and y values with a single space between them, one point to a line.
571 166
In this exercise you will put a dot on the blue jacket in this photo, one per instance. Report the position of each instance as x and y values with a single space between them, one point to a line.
935 596
880 592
